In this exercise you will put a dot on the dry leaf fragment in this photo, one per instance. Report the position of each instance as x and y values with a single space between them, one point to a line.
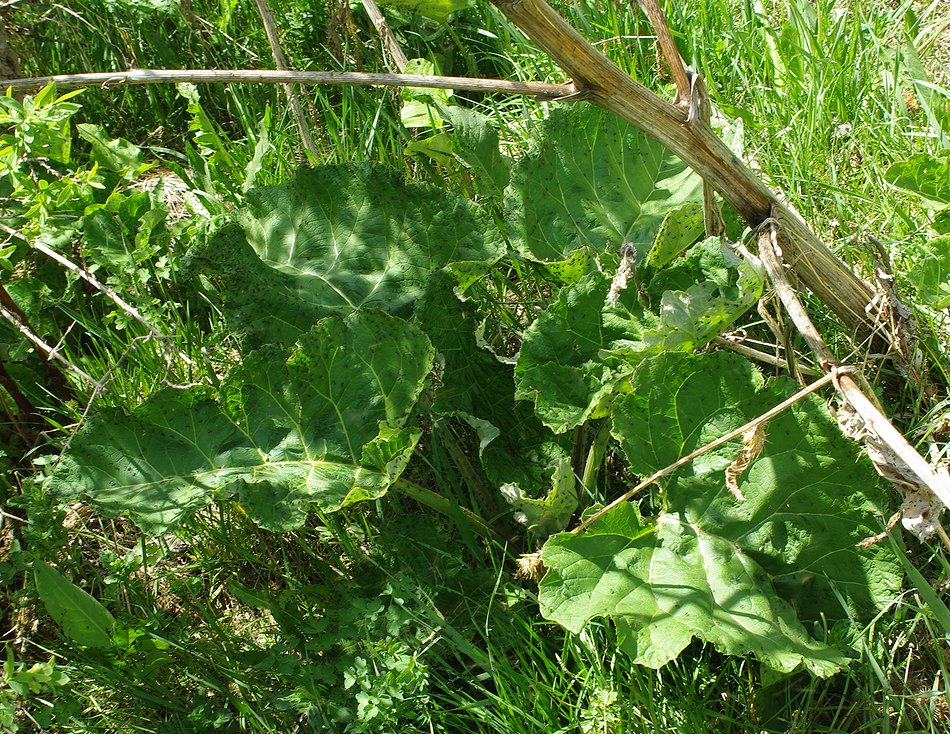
530 567
920 514
752 442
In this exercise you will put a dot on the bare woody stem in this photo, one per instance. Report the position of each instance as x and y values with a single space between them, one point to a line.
397 57
269 76
690 93
606 85
876 422
280 61
48 351
664 40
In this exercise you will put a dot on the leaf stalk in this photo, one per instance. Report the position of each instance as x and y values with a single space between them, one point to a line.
435 501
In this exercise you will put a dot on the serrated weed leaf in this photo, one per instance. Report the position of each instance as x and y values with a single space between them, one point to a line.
324 425
742 575
592 179
117 155
337 239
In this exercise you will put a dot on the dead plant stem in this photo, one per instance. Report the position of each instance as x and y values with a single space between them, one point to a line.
767 416
270 76
846 384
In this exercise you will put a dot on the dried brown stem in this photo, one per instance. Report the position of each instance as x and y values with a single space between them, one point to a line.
746 351
397 57
280 61
876 423
690 138
692 95
671 54
269 76
48 351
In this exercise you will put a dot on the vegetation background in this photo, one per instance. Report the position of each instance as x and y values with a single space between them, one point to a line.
385 617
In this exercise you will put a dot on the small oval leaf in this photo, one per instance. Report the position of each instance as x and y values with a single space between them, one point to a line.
83 618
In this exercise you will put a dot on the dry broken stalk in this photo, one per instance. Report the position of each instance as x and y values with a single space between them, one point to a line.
882 437
664 39
689 137
691 95
269 76
397 57
49 351
280 61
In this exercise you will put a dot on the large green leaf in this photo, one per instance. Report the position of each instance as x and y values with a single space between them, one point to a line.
737 573
476 144
436 9
923 175
336 239
931 273
810 496
564 366
323 426
581 348
593 179
665 585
